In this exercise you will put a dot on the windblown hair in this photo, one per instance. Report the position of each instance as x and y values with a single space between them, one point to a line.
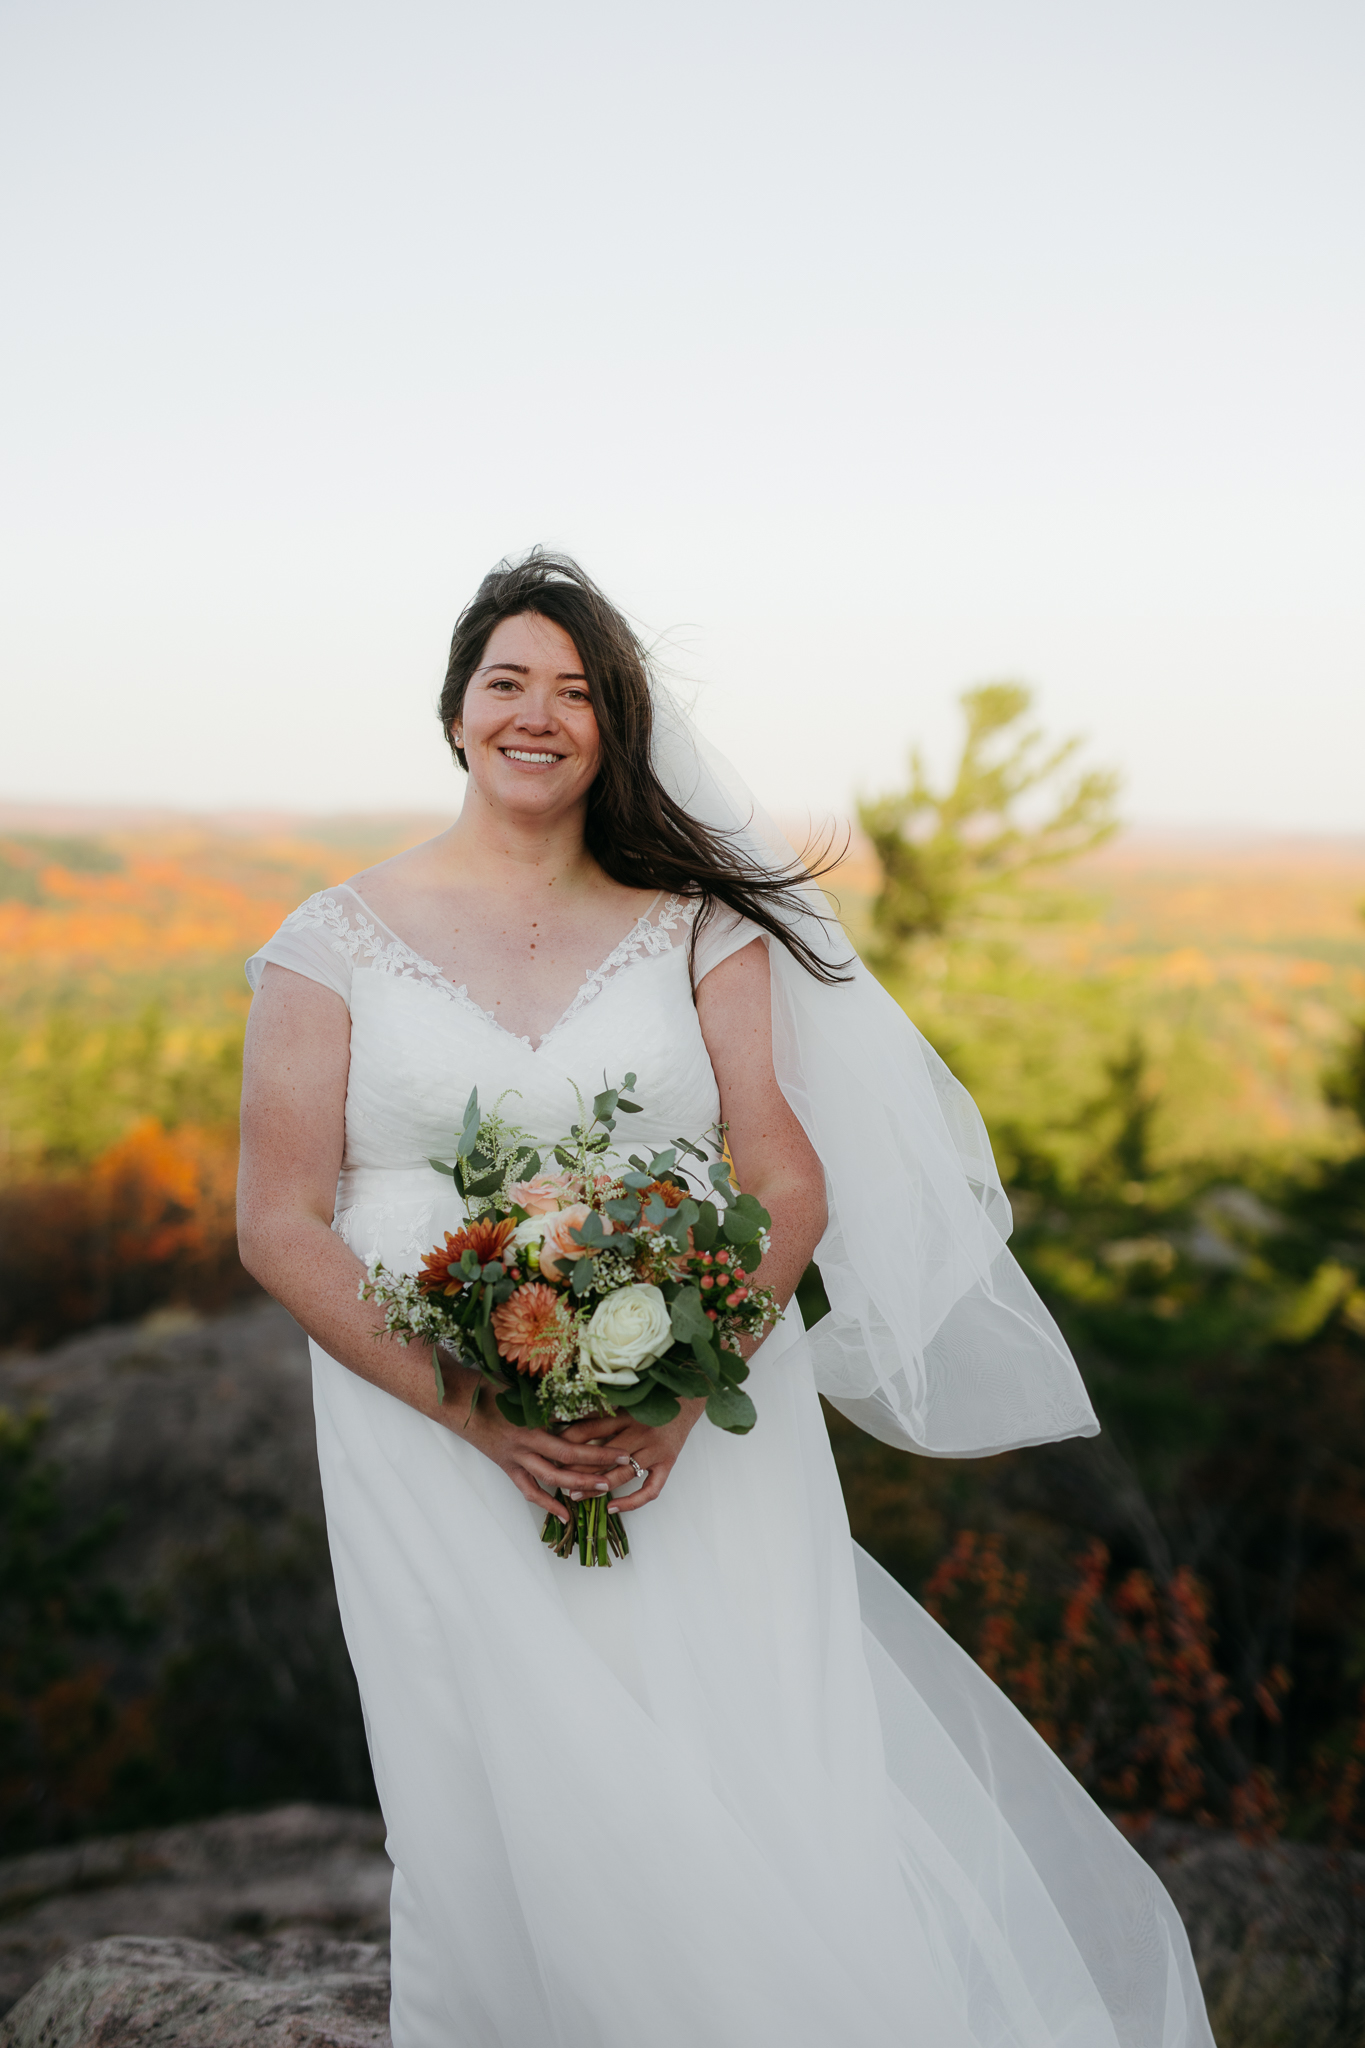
634 829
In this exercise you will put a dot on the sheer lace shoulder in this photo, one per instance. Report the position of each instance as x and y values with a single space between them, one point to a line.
330 935
724 932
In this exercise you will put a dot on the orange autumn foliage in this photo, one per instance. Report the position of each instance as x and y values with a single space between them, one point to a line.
67 1747
152 1222
1124 1685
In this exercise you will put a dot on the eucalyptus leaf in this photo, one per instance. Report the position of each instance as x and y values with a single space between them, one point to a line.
630 1108
732 1367
689 1318
441 1167
623 1212
626 1397
470 1134
730 1408
510 1406
687 1380
657 1407
680 1221
706 1229
704 1351
580 1276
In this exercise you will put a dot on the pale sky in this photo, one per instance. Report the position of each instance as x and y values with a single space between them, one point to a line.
865 350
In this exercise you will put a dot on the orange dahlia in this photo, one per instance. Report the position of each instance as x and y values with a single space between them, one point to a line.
668 1191
528 1327
485 1238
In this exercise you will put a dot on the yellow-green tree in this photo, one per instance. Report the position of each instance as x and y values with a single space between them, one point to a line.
949 857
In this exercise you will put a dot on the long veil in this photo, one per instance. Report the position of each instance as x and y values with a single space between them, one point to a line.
935 1339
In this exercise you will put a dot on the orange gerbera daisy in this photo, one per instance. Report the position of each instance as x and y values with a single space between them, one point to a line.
485 1238
528 1327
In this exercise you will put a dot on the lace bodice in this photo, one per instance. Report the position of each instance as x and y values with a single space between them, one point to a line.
419 1043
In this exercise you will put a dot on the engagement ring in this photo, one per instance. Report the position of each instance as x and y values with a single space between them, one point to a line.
638 1469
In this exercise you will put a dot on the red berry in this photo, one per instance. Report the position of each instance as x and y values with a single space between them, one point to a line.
712 1314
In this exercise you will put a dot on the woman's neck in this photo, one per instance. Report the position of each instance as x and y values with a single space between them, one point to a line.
490 845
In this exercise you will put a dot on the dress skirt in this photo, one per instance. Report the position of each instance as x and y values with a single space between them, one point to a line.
738 1791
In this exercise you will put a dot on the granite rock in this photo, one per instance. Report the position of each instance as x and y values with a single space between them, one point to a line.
291 1992
308 1871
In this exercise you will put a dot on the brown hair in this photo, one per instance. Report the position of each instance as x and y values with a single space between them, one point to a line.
634 829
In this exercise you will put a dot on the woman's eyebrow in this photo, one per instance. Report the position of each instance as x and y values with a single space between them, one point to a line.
518 668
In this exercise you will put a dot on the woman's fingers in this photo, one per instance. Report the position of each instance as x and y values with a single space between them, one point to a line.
568 1450
651 1489
599 1429
552 1476
527 1487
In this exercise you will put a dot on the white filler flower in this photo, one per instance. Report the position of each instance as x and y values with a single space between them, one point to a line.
631 1328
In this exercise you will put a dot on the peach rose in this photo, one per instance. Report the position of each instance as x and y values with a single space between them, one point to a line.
540 1196
557 1249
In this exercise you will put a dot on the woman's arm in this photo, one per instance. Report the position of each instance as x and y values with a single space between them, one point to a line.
773 1159
298 1052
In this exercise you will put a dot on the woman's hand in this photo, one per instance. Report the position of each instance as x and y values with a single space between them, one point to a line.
537 1461
618 1438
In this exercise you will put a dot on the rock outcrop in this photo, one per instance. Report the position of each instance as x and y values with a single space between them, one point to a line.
292 1992
243 1883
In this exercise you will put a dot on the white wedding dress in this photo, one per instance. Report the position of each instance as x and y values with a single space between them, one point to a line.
738 1791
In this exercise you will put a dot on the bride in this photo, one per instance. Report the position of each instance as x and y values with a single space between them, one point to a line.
738 1791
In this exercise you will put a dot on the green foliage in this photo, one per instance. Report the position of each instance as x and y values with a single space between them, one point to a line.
960 855
68 1089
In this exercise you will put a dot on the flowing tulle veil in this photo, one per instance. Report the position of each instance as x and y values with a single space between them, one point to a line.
935 1341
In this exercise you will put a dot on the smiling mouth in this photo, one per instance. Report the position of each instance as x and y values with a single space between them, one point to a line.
534 760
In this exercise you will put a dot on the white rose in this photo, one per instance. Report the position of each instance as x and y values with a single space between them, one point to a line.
531 1231
630 1329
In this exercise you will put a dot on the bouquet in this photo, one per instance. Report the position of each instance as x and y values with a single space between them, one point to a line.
590 1286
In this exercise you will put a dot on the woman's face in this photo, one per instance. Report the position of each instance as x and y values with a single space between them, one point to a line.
527 723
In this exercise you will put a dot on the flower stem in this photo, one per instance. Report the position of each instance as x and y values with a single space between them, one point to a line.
593 1529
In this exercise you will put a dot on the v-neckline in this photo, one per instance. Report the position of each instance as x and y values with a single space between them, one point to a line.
581 995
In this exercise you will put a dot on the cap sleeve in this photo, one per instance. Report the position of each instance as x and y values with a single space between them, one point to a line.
723 933
316 940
